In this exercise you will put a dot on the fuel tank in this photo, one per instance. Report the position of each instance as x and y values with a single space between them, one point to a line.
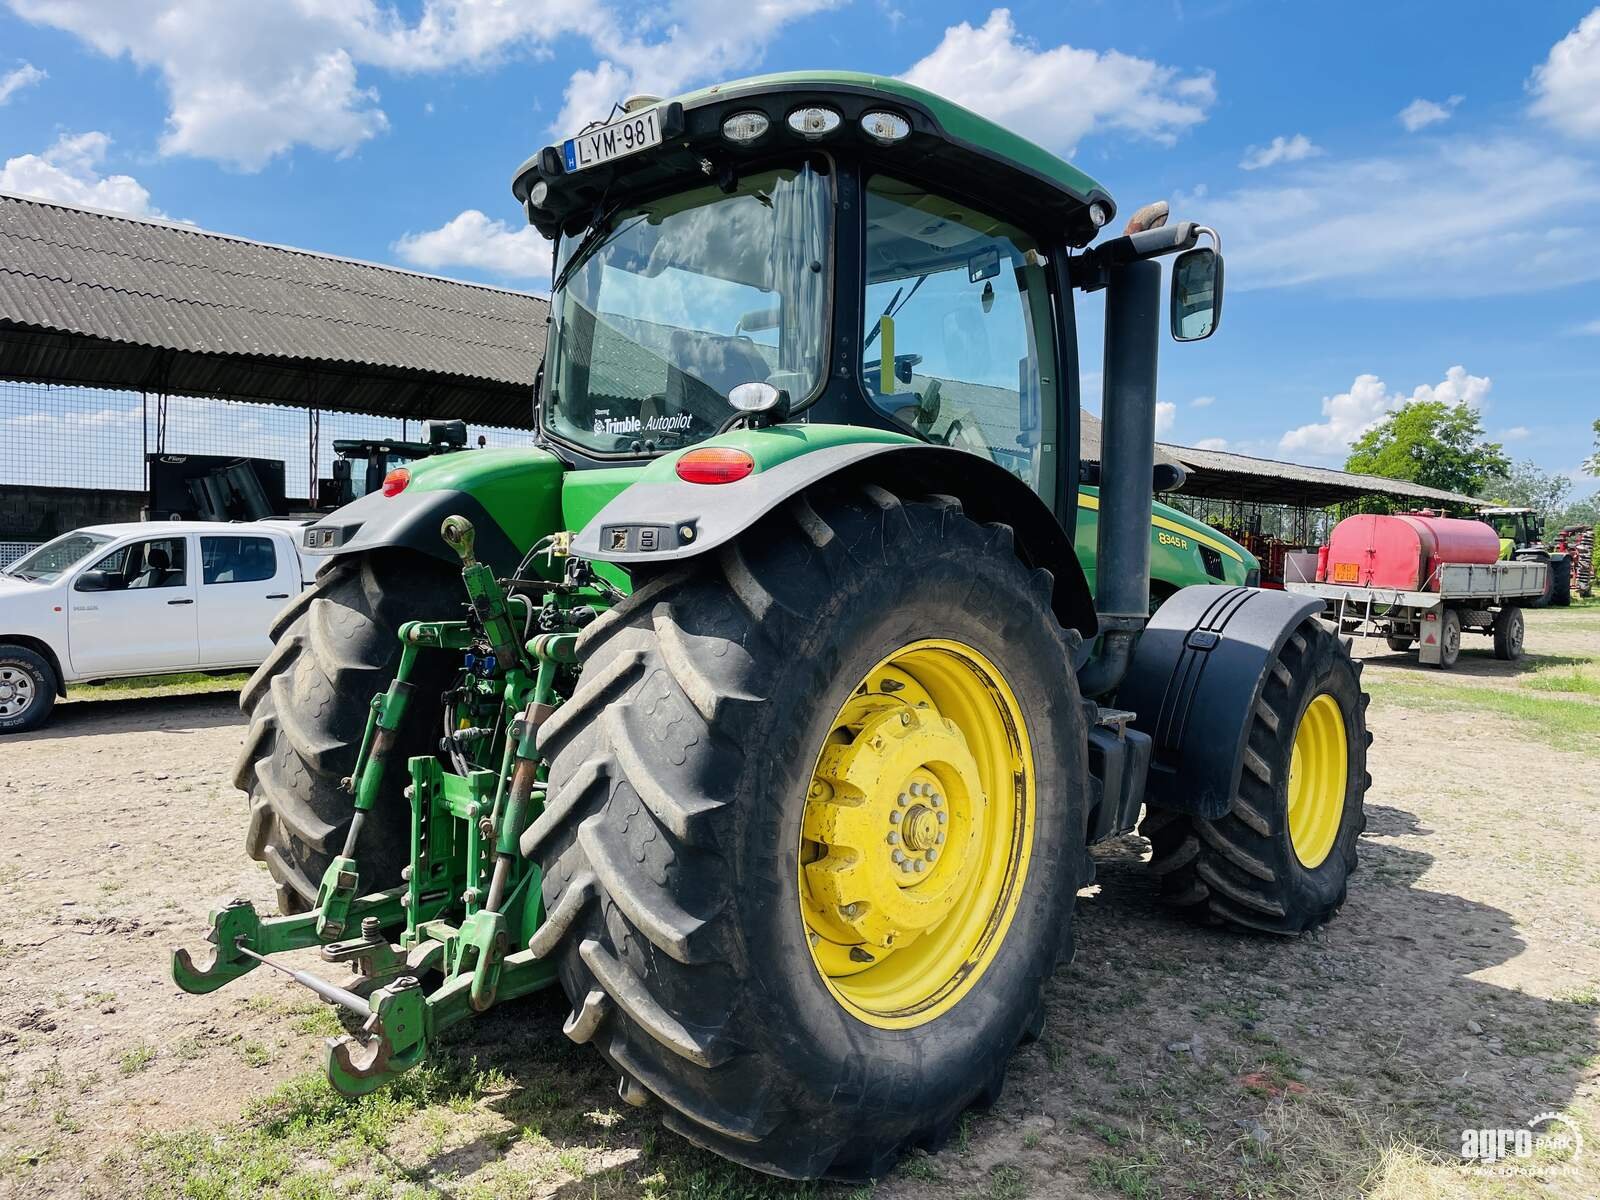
1405 550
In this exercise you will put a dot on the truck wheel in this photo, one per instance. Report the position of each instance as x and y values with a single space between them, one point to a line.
1401 644
1280 860
1509 627
815 829
27 689
1561 581
1544 598
334 648
1449 639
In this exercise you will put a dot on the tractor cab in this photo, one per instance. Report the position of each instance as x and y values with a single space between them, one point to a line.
360 465
873 254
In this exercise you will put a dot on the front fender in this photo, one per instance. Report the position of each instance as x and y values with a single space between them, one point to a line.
1196 677
662 519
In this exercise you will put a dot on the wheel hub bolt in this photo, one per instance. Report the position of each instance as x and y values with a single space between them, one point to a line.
918 865
932 855
898 856
905 718
901 800
894 816
893 837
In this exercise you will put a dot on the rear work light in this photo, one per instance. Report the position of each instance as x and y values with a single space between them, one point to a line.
715 464
395 481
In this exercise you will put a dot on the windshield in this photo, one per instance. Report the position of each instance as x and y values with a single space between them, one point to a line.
672 304
47 563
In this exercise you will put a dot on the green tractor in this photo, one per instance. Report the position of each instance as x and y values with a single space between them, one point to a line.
1521 533
765 707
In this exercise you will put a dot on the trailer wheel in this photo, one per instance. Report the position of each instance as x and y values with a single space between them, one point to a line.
334 648
1509 627
1449 638
1280 859
815 831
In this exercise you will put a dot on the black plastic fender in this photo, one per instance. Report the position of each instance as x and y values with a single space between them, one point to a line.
674 521
1197 674
411 521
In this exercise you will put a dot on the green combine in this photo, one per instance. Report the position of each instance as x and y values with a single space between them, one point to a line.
765 707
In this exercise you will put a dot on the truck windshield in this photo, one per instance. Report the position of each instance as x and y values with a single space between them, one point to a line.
667 306
47 563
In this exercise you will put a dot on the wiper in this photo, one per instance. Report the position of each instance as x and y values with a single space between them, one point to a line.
892 309
598 232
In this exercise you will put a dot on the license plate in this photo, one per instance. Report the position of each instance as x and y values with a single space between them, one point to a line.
1345 572
635 132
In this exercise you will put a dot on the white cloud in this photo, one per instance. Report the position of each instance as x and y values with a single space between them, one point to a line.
1566 86
1402 224
13 82
1166 417
69 173
1202 402
1212 443
1281 150
704 40
474 241
1420 113
247 81
1350 414
1591 327
1516 433
1060 95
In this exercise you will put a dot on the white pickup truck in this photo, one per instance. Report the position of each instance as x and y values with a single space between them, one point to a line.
146 598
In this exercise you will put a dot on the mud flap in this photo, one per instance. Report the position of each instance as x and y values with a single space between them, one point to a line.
1430 640
1196 678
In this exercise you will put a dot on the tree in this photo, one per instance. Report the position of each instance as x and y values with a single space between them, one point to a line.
1592 463
1430 442
1524 485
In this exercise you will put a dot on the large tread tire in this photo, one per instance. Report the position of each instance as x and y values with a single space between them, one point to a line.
670 840
1561 582
1544 598
1242 869
335 646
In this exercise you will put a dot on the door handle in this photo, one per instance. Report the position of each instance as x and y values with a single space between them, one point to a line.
277 595
180 601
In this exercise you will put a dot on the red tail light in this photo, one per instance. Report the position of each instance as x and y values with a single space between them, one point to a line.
715 464
395 481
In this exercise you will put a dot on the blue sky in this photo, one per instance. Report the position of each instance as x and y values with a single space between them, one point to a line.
1404 190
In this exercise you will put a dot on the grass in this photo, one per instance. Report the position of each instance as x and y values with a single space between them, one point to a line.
137 1059
1580 679
142 686
1554 720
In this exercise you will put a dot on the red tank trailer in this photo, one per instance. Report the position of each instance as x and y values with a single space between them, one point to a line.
1405 550
1419 579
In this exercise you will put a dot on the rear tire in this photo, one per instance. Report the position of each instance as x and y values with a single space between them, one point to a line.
1561 581
27 689
1262 865
1544 598
335 647
680 773
1509 629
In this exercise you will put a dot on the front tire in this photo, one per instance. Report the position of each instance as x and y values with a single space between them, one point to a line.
1281 858
335 647
719 708
27 689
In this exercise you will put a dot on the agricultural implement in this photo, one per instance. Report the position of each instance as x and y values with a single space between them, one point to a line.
1420 579
781 714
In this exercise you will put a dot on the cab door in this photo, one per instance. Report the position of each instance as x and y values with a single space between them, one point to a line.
132 611
244 580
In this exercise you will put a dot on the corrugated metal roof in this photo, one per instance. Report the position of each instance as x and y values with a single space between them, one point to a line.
1227 476
89 297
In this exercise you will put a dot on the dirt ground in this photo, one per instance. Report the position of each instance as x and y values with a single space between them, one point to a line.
1459 989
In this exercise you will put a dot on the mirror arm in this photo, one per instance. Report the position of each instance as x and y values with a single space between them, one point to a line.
1092 269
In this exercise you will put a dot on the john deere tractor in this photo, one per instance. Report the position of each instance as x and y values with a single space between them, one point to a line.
763 707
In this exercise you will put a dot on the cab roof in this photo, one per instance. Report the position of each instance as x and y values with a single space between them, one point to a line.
947 139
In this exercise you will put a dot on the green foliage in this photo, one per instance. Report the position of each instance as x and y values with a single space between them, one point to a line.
1432 443
1525 485
1592 463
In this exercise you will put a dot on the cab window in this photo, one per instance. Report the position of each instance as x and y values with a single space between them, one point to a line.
958 345
158 563
236 559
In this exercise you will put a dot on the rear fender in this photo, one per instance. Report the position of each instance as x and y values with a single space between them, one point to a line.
662 519
1197 674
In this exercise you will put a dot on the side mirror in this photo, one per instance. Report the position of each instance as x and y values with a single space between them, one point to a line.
1196 294
1168 477
93 581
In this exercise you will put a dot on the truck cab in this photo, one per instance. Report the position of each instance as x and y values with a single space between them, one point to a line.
149 598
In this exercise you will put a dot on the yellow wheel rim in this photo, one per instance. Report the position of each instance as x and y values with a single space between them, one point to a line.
1318 772
916 834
